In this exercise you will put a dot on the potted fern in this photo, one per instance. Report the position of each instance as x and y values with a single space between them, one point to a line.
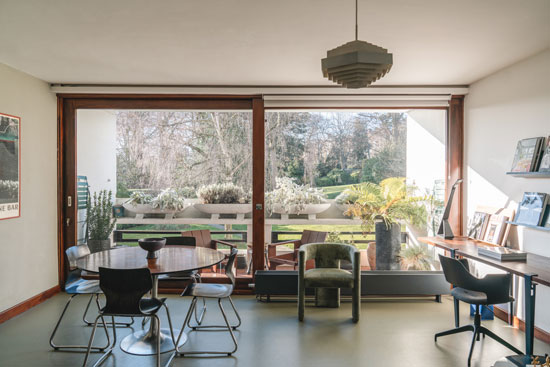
383 207
100 221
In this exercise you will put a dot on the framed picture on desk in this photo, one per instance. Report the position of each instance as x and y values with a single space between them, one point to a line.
496 229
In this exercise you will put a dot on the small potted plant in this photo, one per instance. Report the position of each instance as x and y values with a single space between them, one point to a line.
225 198
383 207
292 198
100 221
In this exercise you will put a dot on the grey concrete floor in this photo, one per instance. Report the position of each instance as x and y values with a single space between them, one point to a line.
390 333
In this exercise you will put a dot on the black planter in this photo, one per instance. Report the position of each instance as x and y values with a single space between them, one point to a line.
388 246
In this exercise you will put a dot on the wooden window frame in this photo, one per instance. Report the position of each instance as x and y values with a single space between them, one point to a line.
68 104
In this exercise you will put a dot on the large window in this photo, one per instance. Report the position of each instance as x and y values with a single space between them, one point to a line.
317 162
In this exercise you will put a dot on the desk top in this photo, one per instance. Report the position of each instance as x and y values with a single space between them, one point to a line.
538 266
170 259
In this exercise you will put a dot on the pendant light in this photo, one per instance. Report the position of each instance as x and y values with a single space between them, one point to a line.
356 64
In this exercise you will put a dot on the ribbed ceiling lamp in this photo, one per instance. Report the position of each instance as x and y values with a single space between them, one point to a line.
356 64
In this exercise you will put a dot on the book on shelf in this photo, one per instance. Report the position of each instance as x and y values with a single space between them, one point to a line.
527 155
531 208
503 253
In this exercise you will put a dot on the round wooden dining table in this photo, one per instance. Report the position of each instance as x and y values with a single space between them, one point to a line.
171 259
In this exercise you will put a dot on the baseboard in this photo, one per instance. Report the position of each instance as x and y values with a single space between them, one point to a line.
28 304
520 324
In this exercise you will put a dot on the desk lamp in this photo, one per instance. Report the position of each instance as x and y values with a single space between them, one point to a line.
445 230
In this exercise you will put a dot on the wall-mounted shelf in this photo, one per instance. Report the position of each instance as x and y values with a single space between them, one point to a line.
529 226
529 174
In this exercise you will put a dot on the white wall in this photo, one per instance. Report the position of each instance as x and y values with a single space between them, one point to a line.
501 109
426 147
96 148
28 244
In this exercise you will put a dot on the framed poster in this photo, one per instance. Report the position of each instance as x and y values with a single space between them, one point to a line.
10 166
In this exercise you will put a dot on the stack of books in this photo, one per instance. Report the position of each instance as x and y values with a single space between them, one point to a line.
502 253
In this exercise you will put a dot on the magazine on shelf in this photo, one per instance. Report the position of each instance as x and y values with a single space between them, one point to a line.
531 209
503 253
544 165
527 155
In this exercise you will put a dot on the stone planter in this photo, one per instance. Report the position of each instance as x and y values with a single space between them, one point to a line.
142 209
388 246
310 209
99 245
216 209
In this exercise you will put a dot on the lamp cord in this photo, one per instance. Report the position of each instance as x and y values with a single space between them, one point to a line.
356 26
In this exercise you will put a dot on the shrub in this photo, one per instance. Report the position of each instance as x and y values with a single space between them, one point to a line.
290 195
99 215
226 193
168 199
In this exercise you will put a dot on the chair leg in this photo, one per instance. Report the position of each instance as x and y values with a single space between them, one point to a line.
234 327
492 335
227 327
457 312
455 331
185 321
301 300
61 347
474 337
356 305
109 350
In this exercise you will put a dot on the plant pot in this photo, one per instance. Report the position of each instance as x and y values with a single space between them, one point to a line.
216 209
388 246
142 209
99 245
310 209
371 255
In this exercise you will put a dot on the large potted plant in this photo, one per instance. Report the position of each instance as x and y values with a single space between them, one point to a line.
100 221
292 198
383 207
168 202
225 198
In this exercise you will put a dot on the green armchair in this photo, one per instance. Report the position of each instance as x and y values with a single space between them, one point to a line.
327 278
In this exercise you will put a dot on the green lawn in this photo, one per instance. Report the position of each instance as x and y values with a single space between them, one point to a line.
333 191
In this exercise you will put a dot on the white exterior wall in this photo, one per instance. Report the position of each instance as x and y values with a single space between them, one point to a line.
500 110
28 244
425 147
96 148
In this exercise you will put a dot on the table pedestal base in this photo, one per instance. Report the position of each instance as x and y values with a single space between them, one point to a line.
143 343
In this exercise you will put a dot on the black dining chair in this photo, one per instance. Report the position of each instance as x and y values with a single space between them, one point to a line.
489 290
124 290
76 285
215 291
191 275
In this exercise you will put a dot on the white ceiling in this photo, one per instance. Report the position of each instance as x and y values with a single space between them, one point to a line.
258 42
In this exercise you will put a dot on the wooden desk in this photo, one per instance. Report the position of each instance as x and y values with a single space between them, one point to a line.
536 270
